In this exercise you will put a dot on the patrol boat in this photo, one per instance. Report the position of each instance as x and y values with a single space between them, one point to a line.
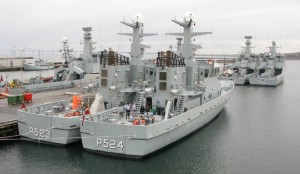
244 66
271 68
55 122
58 122
85 67
181 95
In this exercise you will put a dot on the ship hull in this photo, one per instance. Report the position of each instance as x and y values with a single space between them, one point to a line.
140 141
37 68
239 81
273 81
48 129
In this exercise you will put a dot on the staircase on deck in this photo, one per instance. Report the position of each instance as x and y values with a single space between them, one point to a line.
180 105
118 99
138 101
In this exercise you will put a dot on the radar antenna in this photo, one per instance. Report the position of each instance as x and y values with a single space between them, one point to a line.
66 51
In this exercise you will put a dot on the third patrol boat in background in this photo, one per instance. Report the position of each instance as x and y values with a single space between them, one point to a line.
39 64
270 71
180 95
244 66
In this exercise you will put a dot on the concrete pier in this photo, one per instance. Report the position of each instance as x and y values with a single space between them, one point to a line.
9 129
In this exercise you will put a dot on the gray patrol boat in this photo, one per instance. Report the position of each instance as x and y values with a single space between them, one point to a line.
58 122
244 66
270 71
180 95
55 122
84 67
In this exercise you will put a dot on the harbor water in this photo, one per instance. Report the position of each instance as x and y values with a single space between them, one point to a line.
257 132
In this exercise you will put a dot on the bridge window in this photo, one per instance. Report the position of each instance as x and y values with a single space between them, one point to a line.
103 73
162 75
103 82
162 86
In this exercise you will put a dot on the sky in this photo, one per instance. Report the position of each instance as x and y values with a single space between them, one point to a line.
41 24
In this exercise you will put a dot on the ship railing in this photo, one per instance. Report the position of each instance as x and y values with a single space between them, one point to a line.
108 115
133 86
112 58
87 85
196 88
228 86
169 59
48 86
41 109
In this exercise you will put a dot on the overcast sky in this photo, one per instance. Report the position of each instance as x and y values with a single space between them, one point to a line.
40 24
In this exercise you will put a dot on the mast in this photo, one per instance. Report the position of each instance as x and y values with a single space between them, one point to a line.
273 49
87 50
137 48
66 51
88 44
247 48
188 48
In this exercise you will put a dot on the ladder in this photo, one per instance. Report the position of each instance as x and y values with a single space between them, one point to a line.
139 100
118 99
180 105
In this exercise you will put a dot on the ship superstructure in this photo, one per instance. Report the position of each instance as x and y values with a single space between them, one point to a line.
271 68
244 66
137 107
167 100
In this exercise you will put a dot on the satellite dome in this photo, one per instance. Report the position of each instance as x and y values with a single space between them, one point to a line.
64 39
138 18
188 16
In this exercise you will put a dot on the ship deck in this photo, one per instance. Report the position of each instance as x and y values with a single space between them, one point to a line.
9 112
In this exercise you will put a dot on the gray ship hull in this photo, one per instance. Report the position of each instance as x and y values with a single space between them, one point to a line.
239 81
140 141
48 129
273 81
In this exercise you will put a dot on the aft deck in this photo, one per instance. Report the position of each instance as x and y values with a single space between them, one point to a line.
8 113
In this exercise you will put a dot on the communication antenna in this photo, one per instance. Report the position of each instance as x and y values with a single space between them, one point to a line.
99 29
280 41
85 17
268 35
211 31
120 38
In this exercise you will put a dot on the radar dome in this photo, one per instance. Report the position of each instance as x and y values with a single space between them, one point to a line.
64 39
138 18
188 16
